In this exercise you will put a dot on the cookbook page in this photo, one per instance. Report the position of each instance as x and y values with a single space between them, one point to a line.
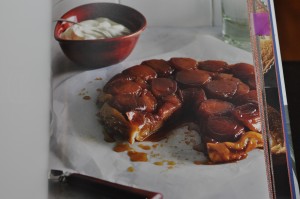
153 100
281 157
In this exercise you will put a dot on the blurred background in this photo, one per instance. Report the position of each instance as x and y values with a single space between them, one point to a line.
288 24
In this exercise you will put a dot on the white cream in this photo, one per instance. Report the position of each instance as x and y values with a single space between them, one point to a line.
100 28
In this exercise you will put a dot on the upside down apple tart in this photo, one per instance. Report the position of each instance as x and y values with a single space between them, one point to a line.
220 98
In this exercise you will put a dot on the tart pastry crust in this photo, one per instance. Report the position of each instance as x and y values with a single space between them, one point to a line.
220 98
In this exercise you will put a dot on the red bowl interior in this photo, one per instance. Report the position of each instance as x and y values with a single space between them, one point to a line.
101 52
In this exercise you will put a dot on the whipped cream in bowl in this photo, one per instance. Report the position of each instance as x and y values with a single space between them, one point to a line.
99 28
99 34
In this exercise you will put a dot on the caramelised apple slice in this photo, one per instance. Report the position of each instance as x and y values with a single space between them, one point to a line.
183 63
161 87
248 114
145 124
214 66
122 86
250 97
242 70
193 77
223 129
221 89
140 72
162 67
128 102
214 107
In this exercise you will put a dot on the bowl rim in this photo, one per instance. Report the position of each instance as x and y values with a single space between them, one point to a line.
138 32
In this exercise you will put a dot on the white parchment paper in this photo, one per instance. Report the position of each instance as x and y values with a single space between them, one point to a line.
77 139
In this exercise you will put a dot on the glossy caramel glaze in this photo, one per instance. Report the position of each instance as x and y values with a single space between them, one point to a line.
150 99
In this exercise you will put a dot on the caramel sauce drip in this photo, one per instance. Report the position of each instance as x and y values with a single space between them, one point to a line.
145 147
154 155
134 155
137 156
86 97
130 169
159 163
198 162
121 147
169 163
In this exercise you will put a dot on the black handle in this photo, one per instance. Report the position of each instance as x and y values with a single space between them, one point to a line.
109 189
